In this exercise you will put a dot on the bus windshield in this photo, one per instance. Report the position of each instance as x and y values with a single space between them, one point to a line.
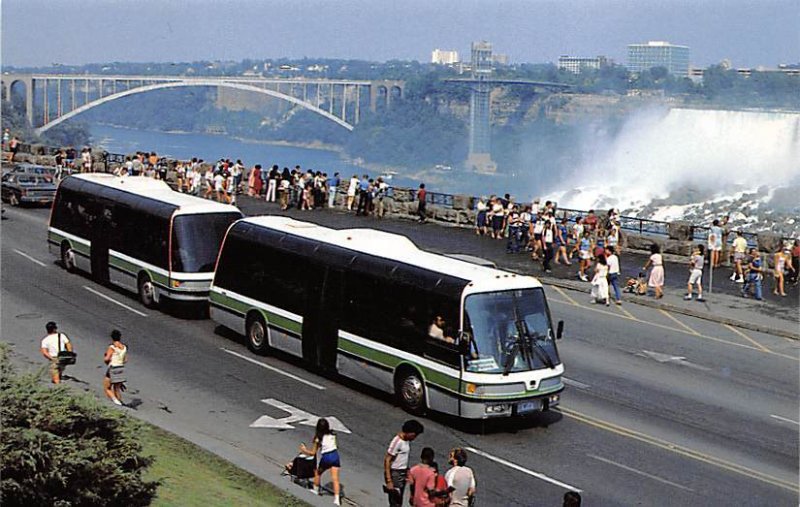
196 240
510 332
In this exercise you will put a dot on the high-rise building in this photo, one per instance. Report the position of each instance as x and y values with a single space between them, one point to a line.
659 54
576 64
444 57
481 58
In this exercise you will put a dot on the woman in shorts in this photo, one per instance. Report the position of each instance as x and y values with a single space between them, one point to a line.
325 444
115 357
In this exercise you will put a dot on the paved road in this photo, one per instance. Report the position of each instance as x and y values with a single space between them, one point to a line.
660 409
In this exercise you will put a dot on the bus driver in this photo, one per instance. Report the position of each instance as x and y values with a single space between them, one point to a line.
436 330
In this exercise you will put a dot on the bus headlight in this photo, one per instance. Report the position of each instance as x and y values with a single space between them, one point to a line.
471 388
176 283
498 408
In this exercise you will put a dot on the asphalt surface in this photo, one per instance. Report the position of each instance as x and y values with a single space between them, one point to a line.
660 409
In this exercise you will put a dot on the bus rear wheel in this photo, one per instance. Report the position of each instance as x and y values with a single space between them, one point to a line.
147 291
257 335
410 391
67 258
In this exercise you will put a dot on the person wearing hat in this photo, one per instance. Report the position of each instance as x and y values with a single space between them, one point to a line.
115 357
52 344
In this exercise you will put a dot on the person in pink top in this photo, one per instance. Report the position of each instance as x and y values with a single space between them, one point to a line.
421 480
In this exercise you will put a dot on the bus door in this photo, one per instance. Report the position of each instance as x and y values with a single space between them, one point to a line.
320 319
100 232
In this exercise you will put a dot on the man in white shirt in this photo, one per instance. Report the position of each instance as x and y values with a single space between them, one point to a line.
395 463
436 330
613 272
52 344
460 479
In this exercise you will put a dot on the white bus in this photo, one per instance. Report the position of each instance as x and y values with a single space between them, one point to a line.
137 233
438 332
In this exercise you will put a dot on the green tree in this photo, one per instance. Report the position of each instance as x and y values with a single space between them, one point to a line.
64 448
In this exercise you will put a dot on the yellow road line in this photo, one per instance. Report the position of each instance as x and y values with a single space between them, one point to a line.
765 349
679 323
563 293
678 449
705 337
626 312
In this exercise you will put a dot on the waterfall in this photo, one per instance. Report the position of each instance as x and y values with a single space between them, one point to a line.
712 152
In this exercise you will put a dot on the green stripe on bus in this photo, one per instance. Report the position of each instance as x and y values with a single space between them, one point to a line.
272 319
134 269
436 378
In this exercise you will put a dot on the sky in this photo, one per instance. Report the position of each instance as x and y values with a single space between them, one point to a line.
749 33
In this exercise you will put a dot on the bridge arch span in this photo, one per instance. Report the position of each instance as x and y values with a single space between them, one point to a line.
183 84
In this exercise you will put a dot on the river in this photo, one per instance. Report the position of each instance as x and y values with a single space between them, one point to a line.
214 147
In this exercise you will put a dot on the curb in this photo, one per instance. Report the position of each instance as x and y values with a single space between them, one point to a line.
686 311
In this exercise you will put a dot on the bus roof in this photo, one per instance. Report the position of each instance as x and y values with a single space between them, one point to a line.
398 248
160 191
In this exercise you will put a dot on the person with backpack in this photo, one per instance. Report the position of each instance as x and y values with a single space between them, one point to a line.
421 480
325 444
53 347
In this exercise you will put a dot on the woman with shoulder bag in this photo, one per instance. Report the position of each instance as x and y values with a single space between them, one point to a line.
115 357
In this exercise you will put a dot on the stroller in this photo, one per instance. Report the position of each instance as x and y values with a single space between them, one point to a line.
301 470
637 285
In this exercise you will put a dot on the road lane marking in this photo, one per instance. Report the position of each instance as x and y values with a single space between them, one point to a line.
296 416
568 298
36 261
662 326
137 312
639 472
276 370
522 469
574 383
678 449
675 320
765 349
784 419
626 312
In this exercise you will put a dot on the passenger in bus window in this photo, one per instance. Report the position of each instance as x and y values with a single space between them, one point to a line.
436 330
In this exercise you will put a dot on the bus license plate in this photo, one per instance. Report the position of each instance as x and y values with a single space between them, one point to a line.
529 406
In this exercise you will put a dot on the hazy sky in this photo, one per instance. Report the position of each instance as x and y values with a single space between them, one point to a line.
41 32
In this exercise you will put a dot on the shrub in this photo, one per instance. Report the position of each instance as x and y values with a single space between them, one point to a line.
64 448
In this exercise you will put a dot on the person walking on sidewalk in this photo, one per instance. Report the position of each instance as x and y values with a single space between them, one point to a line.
395 462
795 262
325 444
115 357
614 273
584 255
754 275
715 243
600 281
52 344
739 255
696 262
656 280
783 262
422 195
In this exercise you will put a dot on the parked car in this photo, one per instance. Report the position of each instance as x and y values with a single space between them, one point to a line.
30 169
28 188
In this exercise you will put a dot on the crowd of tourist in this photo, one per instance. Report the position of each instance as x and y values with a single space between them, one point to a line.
592 242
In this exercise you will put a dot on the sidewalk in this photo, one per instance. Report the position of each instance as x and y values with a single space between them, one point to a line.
775 315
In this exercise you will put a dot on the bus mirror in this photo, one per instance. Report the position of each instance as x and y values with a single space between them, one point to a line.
559 329
464 339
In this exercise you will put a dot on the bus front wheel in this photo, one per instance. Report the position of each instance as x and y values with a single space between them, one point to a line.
257 335
147 291
410 391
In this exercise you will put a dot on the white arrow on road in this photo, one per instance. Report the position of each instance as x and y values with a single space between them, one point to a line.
298 416
666 358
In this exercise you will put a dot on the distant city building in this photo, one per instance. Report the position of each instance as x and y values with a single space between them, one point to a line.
499 59
576 64
674 58
481 58
444 57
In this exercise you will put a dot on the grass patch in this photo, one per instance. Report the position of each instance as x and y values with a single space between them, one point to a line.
190 475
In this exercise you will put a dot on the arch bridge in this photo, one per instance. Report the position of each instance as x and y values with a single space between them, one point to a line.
51 99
